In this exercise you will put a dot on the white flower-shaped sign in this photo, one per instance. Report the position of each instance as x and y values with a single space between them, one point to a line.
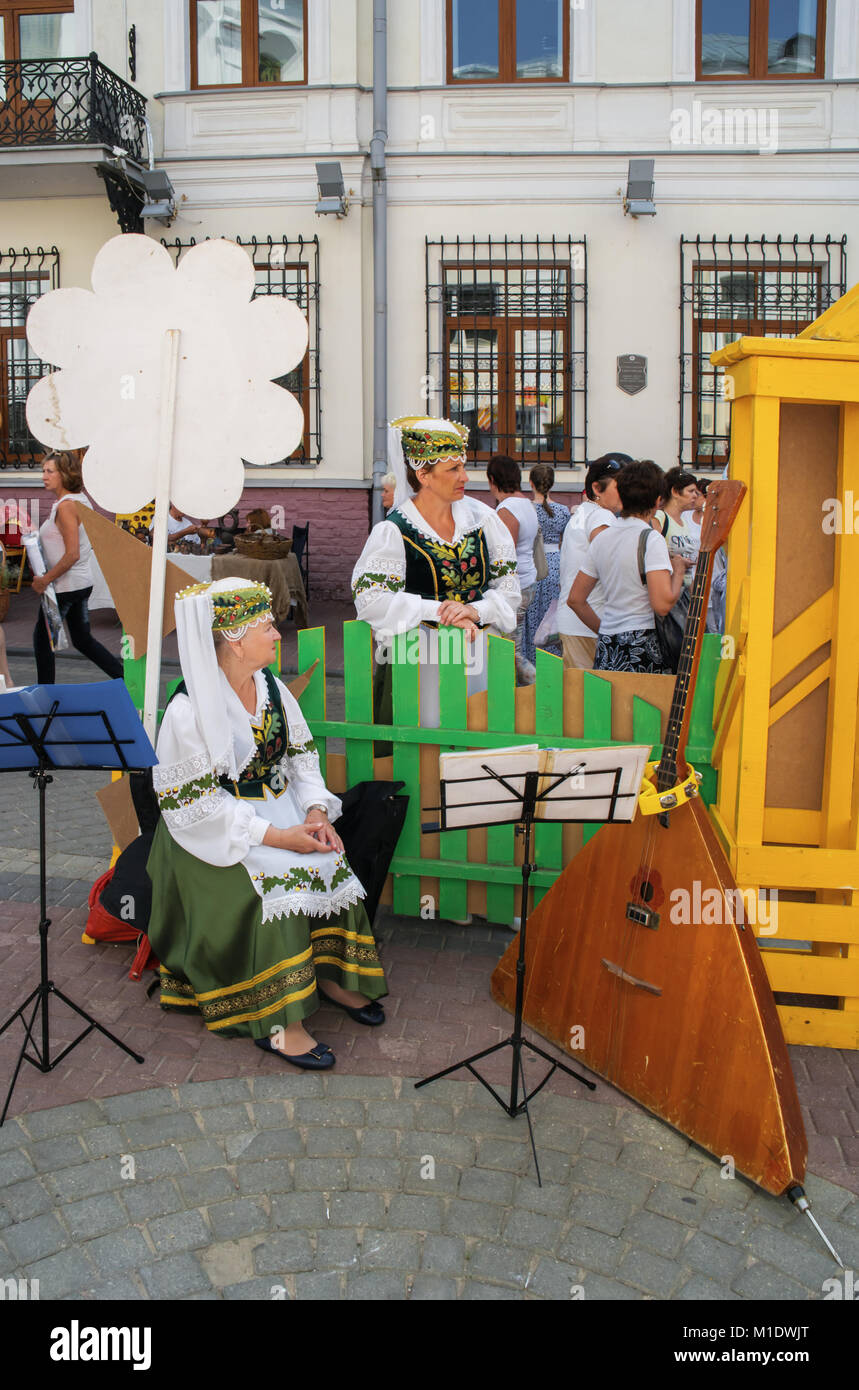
108 393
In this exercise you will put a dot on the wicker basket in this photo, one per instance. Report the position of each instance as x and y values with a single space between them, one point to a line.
261 546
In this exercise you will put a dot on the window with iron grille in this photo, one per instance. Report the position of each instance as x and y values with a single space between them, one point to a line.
743 288
24 277
290 269
507 345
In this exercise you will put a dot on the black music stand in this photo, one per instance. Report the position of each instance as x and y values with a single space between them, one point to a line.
69 727
615 799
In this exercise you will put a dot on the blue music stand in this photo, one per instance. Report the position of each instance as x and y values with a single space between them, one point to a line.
64 727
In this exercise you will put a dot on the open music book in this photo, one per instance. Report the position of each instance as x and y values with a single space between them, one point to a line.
575 784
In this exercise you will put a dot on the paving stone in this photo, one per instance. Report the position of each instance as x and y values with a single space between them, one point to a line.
121 1289
390 1250
600 1213
360 1087
226 1119
337 1250
300 1210
498 1263
655 1161
262 1290
322 1174
120 1251
105 1140
379 1286
503 1153
26 1199
84 1180
793 1257
330 1112
411 1213
435 1117
13 1136
212 1185
646 1128
602 1150
531 1229
701 1289
370 1174
161 1163
95 1216
65 1119
452 1148
243 1217
761 1281
235 1147
320 1142
379 1143
598 1289
725 1192
554 1279
322 1286
729 1226
828 1196
428 1288
144 1200
284 1252
477 1292
395 1114
473 1218
559 1134
138 1105
63 1273
592 1250
185 1230
655 1233
200 1095
487 1186
33 1240
649 1272
283 1086
200 1153
552 1199
714 1257
617 1182
8 1263
444 1177
443 1255
274 1143
269 1114
175 1277
678 1204
159 1129
49 1155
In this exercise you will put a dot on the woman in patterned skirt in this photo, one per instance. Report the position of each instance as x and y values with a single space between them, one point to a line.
553 518
255 911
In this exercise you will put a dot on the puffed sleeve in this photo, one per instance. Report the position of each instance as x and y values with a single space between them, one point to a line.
500 603
379 585
203 818
300 763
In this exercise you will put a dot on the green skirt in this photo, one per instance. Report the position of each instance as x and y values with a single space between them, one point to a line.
243 976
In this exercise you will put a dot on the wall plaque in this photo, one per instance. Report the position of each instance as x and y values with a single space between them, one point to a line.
632 373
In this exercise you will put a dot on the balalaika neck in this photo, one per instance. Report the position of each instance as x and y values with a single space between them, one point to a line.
672 764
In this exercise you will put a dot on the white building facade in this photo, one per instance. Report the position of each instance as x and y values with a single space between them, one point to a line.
522 297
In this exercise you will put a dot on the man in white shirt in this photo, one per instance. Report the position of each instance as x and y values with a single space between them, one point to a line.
519 516
598 509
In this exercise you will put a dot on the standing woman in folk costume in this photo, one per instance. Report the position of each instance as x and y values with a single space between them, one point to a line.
440 558
255 911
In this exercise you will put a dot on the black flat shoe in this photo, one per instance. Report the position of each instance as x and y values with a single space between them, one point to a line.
319 1058
371 1013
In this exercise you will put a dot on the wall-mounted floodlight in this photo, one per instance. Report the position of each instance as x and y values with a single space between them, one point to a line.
332 191
159 197
639 189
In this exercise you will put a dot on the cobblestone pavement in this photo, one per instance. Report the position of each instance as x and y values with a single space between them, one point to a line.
357 1187
210 1172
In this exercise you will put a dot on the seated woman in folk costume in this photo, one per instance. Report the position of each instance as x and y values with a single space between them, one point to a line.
440 558
255 911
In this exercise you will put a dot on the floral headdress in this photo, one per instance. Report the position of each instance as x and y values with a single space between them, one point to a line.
423 441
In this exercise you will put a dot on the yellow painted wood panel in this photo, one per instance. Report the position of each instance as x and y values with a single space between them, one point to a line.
791 972
819 1027
786 826
803 636
818 922
799 692
797 868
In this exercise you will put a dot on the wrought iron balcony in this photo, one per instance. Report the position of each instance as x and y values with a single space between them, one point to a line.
69 101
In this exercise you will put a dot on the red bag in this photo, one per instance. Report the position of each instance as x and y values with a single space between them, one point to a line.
103 926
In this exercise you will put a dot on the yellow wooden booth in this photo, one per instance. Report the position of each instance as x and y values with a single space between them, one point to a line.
787 742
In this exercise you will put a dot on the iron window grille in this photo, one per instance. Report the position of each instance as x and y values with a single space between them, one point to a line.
506 328
745 287
24 277
290 269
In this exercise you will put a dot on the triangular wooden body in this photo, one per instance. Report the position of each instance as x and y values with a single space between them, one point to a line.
706 1053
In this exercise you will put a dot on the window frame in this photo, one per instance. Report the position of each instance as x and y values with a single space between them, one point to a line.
12 10
42 266
759 14
506 50
249 50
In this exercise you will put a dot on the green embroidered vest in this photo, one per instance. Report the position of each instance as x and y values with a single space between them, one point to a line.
271 742
441 569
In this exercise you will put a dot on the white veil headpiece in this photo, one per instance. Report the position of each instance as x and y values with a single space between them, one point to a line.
396 455
221 717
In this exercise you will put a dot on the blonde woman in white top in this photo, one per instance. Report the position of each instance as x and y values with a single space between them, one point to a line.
67 552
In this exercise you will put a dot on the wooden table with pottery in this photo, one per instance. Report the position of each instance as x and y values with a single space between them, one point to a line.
283 577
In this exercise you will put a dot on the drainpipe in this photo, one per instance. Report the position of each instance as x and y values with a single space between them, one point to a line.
380 253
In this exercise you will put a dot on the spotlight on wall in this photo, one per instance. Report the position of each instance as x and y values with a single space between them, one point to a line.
332 190
639 189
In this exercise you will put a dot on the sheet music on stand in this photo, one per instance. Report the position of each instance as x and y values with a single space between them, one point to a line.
488 787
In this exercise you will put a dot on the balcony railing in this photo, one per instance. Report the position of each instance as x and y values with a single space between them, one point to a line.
69 101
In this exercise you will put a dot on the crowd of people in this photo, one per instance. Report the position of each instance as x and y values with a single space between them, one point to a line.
607 586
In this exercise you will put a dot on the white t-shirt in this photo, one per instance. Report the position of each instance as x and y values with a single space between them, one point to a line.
586 519
54 548
613 560
179 523
525 513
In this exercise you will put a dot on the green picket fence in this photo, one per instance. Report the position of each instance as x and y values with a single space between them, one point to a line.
453 869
